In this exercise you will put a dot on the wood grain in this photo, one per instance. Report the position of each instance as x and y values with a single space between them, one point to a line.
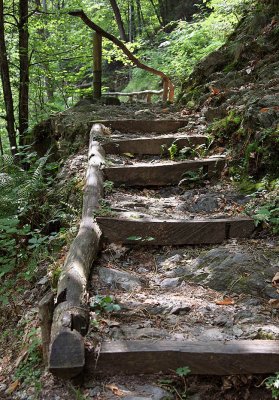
144 125
151 145
206 358
71 314
161 174
173 232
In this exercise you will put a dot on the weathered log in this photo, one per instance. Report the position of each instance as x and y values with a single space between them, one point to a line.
71 314
46 308
147 93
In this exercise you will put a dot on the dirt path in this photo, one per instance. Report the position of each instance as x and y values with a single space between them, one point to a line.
215 286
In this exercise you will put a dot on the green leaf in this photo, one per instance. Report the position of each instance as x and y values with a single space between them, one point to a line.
134 238
183 371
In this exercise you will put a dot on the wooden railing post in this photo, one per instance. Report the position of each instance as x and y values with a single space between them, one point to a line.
97 65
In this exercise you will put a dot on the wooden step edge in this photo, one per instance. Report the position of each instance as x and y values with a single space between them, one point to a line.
159 232
171 164
203 358
144 125
151 145
163 174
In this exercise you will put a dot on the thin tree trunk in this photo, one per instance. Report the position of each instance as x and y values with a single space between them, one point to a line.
167 83
139 17
156 12
23 108
119 21
6 84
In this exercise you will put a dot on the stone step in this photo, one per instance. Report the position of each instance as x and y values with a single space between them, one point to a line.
154 232
152 145
162 174
206 358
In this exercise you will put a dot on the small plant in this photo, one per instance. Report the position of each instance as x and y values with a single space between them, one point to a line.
178 384
272 383
141 239
173 151
104 209
108 187
104 304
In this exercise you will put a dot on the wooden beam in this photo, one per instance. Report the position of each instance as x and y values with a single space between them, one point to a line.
97 65
160 126
154 232
151 145
71 314
138 93
169 173
205 358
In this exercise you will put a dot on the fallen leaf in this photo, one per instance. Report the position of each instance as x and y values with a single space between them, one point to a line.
274 303
227 301
129 155
13 386
115 390
275 280
215 91
264 110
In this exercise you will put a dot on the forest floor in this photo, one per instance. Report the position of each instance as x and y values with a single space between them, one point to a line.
212 292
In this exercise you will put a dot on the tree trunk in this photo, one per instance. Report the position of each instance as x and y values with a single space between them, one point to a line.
6 84
23 71
167 83
119 21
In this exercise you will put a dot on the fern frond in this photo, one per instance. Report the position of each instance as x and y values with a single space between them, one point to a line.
6 181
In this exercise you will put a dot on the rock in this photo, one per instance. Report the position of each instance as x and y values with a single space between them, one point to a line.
171 262
181 310
237 331
116 278
170 283
137 332
3 387
43 281
243 271
205 203
143 112
212 334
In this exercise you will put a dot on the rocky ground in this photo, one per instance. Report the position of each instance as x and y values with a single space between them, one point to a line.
206 293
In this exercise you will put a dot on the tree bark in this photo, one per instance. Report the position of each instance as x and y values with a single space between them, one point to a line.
119 21
6 84
23 108
167 83
71 314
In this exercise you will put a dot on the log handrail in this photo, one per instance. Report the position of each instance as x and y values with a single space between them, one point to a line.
71 313
168 86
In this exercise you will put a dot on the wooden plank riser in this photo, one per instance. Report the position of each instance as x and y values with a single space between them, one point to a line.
151 146
161 174
144 126
179 232
203 358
